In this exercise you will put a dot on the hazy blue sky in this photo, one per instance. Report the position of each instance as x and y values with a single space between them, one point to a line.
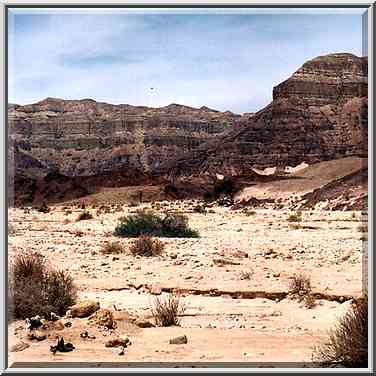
226 61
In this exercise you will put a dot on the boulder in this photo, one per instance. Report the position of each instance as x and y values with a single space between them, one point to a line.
181 340
118 341
103 317
84 308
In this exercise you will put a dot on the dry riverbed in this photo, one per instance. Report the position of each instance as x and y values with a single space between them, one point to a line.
234 281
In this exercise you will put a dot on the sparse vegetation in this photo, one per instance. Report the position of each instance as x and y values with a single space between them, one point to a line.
147 246
112 248
301 290
83 216
199 209
246 275
348 342
36 289
43 208
11 229
149 223
78 233
295 217
248 212
166 311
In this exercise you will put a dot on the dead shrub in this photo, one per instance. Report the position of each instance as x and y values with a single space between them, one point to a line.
112 248
36 289
166 311
348 341
295 217
246 275
78 233
147 246
11 229
301 290
43 208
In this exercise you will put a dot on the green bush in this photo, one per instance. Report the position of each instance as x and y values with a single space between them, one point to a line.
149 223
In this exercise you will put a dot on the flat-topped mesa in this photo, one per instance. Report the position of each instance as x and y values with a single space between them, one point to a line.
326 80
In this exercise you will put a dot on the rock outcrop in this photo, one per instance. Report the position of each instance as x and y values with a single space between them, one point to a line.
62 148
319 113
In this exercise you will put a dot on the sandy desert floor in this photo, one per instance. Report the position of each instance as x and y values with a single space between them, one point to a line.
234 281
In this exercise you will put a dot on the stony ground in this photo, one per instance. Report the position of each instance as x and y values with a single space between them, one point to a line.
234 281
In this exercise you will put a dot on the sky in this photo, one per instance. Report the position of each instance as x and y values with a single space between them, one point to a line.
225 60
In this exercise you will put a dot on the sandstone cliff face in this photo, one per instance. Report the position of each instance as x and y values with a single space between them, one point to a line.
85 138
319 113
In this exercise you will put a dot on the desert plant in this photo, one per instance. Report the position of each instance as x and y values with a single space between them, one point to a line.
301 290
84 216
300 285
11 229
149 223
295 217
112 248
199 209
43 208
79 233
246 275
36 289
248 212
146 246
348 341
166 311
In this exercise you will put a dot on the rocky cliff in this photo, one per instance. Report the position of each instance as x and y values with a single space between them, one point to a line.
84 138
319 113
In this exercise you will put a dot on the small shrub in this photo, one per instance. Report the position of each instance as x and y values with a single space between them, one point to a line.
248 212
166 311
112 248
11 229
199 209
245 275
348 341
78 233
43 208
148 223
295 217
147 246
35 289
301 290
84 216
300 285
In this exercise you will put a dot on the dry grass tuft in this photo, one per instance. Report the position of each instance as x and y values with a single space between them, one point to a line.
166 311
147 246
301 290
348 342
112 248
